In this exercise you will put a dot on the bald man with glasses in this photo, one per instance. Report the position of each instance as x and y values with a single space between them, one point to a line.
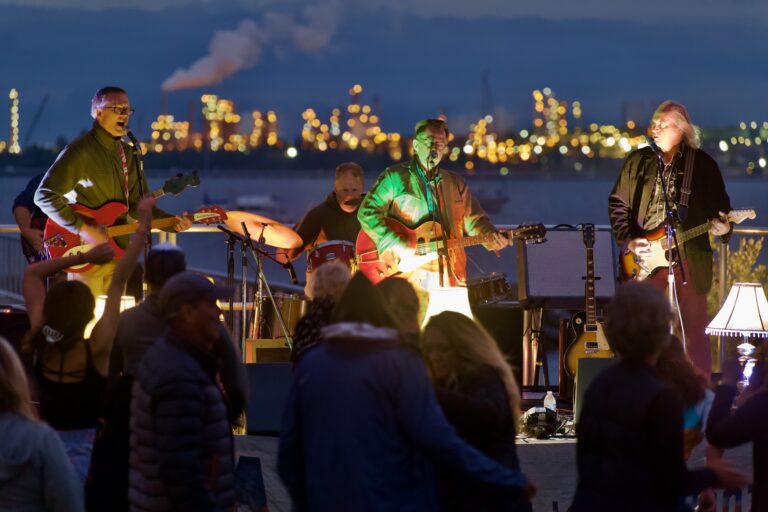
96 168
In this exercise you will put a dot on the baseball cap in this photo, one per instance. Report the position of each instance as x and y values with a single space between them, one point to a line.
188 287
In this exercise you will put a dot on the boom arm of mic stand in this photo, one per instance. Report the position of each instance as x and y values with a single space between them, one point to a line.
257 254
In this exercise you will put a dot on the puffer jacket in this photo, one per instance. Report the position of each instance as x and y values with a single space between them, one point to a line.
181 443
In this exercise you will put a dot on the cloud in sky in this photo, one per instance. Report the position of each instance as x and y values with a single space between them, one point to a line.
666 11
233 50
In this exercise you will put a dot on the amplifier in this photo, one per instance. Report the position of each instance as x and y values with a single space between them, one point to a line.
552 274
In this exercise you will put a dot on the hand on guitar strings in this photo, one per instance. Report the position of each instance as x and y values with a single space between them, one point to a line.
93 234
34 237
720 226
183 222
640 247
99 254
498 242
144 209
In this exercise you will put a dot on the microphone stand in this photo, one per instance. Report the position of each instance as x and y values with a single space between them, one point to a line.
258 254
671 233
232 239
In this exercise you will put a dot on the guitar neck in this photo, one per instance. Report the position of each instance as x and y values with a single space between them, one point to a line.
687 235
127 229
469 241
591 306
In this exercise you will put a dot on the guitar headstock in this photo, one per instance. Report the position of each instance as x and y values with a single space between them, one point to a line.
176 185
739 216
210 215
588 234
530 233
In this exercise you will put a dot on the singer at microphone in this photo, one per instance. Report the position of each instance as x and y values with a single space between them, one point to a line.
687 192
101 157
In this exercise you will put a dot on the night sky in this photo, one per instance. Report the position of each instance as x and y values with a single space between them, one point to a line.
417 60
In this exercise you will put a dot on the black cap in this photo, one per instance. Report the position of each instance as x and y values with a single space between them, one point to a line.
188 287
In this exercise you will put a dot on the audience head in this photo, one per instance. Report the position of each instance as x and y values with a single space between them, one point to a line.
163 262
456 346
188 301
327 282
67 310
403 303
362 302
14 388
637 324
676 369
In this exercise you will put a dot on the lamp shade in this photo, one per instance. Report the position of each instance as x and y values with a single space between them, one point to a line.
744 312
447 298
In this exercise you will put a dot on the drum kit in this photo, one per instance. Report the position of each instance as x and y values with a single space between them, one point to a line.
254 232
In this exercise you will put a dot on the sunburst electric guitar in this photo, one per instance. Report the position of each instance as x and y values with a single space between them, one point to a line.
634 267
585 330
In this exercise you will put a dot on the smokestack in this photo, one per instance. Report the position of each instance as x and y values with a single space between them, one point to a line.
164 102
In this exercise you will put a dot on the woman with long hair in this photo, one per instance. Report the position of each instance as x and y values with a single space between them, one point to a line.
478 394
35 474
71 370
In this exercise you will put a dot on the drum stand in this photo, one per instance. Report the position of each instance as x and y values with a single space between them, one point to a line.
262 284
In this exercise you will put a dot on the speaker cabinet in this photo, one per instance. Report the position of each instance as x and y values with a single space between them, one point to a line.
588 369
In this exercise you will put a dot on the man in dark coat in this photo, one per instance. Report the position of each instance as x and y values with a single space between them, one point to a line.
636 206
181 441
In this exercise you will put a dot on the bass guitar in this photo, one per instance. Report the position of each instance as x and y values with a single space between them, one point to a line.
585 330
426 240
634 267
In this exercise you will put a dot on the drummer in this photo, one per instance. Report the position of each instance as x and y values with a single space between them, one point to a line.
333 219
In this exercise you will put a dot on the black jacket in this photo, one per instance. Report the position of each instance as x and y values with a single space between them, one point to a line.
632 192
630 445
182 454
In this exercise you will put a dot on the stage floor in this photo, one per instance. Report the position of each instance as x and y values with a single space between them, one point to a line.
550 464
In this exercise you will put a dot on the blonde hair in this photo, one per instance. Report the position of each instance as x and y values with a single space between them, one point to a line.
14 388
328 281
682 120
473 347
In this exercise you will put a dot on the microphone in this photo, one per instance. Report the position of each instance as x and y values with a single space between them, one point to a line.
133 139
653 146
288 265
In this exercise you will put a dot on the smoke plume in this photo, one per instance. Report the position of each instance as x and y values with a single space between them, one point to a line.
242 48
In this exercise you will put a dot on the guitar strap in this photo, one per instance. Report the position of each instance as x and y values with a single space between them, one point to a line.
685 191
124 162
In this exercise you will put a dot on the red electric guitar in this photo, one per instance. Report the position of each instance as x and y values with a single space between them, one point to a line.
61 242
426 240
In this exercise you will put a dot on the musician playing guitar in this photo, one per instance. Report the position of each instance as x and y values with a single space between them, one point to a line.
95 169
417 192
636 206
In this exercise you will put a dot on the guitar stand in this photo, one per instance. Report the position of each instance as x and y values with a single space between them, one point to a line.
534 355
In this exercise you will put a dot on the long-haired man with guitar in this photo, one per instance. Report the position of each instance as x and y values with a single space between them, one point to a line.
95 169
417 194
699 203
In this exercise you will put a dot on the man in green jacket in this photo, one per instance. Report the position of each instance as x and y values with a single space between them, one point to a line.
94 169
419 191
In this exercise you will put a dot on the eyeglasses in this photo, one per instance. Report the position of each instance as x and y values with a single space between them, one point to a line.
431 144
121 111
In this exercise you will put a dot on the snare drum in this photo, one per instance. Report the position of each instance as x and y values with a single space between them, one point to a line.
332 251
292 306
488 288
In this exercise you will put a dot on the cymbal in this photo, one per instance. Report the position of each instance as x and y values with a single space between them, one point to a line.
275 233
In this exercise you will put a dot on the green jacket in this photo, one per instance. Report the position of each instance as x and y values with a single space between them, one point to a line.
89 171
400 193
629 199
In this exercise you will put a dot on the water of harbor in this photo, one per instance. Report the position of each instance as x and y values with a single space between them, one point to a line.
285 195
